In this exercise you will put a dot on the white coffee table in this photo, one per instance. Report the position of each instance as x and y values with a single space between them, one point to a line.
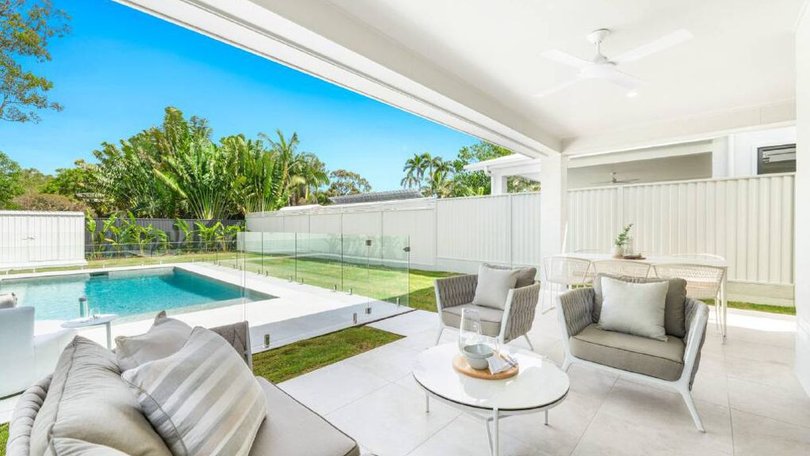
98 320
539 386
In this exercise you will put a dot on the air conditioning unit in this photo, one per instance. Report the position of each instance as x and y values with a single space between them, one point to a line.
776 159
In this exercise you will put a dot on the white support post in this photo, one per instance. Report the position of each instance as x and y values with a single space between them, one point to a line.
802 218
499 184
553 203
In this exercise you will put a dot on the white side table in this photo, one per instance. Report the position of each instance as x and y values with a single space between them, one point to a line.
98 320
539 386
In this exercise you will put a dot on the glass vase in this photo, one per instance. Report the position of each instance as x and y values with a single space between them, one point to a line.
469 331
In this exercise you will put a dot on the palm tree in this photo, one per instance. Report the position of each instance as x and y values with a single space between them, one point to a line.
415 168
438 182
310 174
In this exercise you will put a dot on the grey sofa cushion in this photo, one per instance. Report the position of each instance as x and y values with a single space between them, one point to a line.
637 354
525 276
674 311
291 429
88 401
202 399
493 286
164 338
633 308
490 318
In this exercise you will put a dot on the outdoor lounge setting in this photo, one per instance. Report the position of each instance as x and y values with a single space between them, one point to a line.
404 228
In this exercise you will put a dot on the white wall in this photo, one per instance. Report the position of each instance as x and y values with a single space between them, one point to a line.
38 239
802 190
736 155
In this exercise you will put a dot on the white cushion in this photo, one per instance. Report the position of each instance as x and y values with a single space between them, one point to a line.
8 301
164 338
202 399
634 308
493 286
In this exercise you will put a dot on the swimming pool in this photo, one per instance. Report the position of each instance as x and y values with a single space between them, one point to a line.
126 293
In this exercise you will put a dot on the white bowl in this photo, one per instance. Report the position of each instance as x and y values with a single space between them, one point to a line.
477 354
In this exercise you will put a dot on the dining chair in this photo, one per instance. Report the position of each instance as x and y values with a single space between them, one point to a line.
627 268
559 274
702 281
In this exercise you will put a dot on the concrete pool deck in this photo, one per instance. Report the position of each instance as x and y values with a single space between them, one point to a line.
296 311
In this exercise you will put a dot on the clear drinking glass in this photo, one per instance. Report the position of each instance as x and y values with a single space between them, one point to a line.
469 332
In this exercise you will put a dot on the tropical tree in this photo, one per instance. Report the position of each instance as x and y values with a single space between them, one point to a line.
26 28
259 184
308 174
344 182
415 168
438 181
10 181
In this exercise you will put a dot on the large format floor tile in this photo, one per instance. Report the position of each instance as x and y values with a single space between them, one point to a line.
746 393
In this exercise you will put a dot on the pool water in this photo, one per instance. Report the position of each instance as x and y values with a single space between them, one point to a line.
126 293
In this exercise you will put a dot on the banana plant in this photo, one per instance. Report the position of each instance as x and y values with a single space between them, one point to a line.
188 233
111 232
209 235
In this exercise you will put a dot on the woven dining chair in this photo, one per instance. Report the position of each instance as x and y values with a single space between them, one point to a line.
559 274
627 268
702 281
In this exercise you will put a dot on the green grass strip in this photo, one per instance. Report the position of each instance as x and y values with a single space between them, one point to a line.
298 358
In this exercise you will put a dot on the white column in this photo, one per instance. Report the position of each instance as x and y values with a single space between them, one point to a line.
720 157
498 184
802 247
553 203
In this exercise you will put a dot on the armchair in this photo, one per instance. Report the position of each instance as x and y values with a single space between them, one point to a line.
26 358
672 364
456 293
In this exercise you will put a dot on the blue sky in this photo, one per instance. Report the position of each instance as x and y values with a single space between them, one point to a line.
119 68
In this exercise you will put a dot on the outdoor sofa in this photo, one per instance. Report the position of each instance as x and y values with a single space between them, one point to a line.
289 429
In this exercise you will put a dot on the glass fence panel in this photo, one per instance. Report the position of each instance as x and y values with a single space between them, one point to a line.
395 268
356 262
320 260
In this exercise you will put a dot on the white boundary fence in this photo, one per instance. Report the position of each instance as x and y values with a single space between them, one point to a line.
38 239
749 221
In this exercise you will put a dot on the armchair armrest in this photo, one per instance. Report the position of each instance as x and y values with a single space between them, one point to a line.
575 308
48 348
697 317
521 304
238 335
455 291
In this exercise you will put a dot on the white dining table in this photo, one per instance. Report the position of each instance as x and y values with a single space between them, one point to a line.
653 260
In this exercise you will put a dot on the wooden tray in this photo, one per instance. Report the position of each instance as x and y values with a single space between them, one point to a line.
634 257
460 364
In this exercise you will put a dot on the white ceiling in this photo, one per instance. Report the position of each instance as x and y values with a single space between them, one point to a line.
484 55
742 53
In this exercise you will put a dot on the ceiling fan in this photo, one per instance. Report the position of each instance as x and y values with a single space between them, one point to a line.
602 67
615 180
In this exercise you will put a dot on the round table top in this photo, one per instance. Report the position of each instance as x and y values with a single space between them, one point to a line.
539 384
101 319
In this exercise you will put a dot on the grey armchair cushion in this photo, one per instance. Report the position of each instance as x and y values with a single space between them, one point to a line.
490 318
525 276
493 286
74 447
294 430
674 319
88 401
637 354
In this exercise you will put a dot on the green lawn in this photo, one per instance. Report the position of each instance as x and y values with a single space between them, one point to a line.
3 438
784 310
298 358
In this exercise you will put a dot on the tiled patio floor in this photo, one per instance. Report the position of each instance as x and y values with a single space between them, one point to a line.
748 397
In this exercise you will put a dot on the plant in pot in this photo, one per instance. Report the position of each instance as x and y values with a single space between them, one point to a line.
621 241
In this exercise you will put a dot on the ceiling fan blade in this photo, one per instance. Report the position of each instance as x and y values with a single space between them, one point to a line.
565 58
667 41
556 88
623 80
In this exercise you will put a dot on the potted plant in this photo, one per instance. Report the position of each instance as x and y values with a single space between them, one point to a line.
620 243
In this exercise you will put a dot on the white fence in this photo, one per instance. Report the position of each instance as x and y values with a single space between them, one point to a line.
451 234
38 239
749 221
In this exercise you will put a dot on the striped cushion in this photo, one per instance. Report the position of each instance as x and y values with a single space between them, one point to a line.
202 400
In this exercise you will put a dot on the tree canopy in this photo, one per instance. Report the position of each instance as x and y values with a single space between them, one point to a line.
26 28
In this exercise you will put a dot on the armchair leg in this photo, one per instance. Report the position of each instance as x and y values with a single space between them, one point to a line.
690 404
566 364
531 347
439 335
